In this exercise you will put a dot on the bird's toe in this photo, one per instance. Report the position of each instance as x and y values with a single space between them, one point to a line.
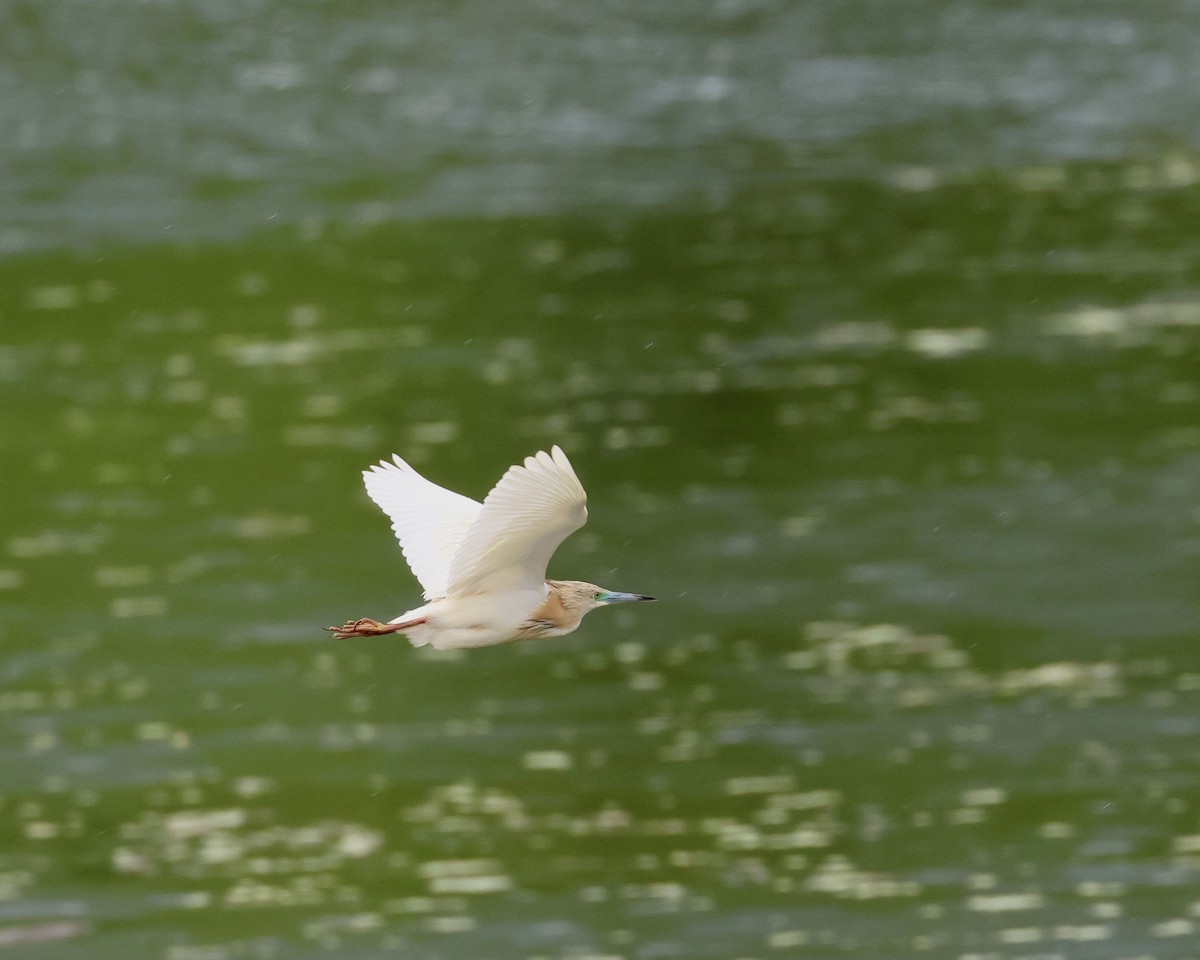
353 628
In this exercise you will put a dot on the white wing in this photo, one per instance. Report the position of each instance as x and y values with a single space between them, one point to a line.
531 511
430 521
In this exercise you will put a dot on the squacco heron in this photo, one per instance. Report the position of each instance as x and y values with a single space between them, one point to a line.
483 565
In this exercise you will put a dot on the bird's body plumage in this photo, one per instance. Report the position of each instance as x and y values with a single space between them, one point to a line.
483 565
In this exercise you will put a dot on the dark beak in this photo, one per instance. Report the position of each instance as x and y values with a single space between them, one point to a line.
614 597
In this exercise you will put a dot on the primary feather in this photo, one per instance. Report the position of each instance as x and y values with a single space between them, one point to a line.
524 519
429 521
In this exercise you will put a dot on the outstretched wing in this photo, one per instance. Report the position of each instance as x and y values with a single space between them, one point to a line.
430 521
533 509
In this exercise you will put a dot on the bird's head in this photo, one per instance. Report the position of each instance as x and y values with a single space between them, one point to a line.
578 597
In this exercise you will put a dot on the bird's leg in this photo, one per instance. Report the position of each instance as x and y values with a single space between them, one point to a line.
366 627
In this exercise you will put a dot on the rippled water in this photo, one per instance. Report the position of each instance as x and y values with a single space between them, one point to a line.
210 118
908 446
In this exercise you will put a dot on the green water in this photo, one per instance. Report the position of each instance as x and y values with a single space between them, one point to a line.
914 473
873 333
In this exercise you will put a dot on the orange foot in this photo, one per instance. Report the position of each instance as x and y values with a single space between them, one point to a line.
366 627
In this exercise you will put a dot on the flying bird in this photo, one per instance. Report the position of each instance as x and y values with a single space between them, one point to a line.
483 565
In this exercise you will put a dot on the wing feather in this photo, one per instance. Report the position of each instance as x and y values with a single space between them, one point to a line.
429 521
533 509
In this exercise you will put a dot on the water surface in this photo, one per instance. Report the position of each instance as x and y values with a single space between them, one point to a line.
899 422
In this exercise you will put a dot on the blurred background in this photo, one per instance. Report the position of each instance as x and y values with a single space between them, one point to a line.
873 330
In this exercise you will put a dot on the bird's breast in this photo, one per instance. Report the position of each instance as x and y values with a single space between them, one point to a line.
536 629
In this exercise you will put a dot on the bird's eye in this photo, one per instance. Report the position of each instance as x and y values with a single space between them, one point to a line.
599 594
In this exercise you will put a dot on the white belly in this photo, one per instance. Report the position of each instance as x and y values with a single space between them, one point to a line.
477 621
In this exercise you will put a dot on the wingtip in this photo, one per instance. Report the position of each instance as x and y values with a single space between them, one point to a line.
563 462
554 457
388 466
